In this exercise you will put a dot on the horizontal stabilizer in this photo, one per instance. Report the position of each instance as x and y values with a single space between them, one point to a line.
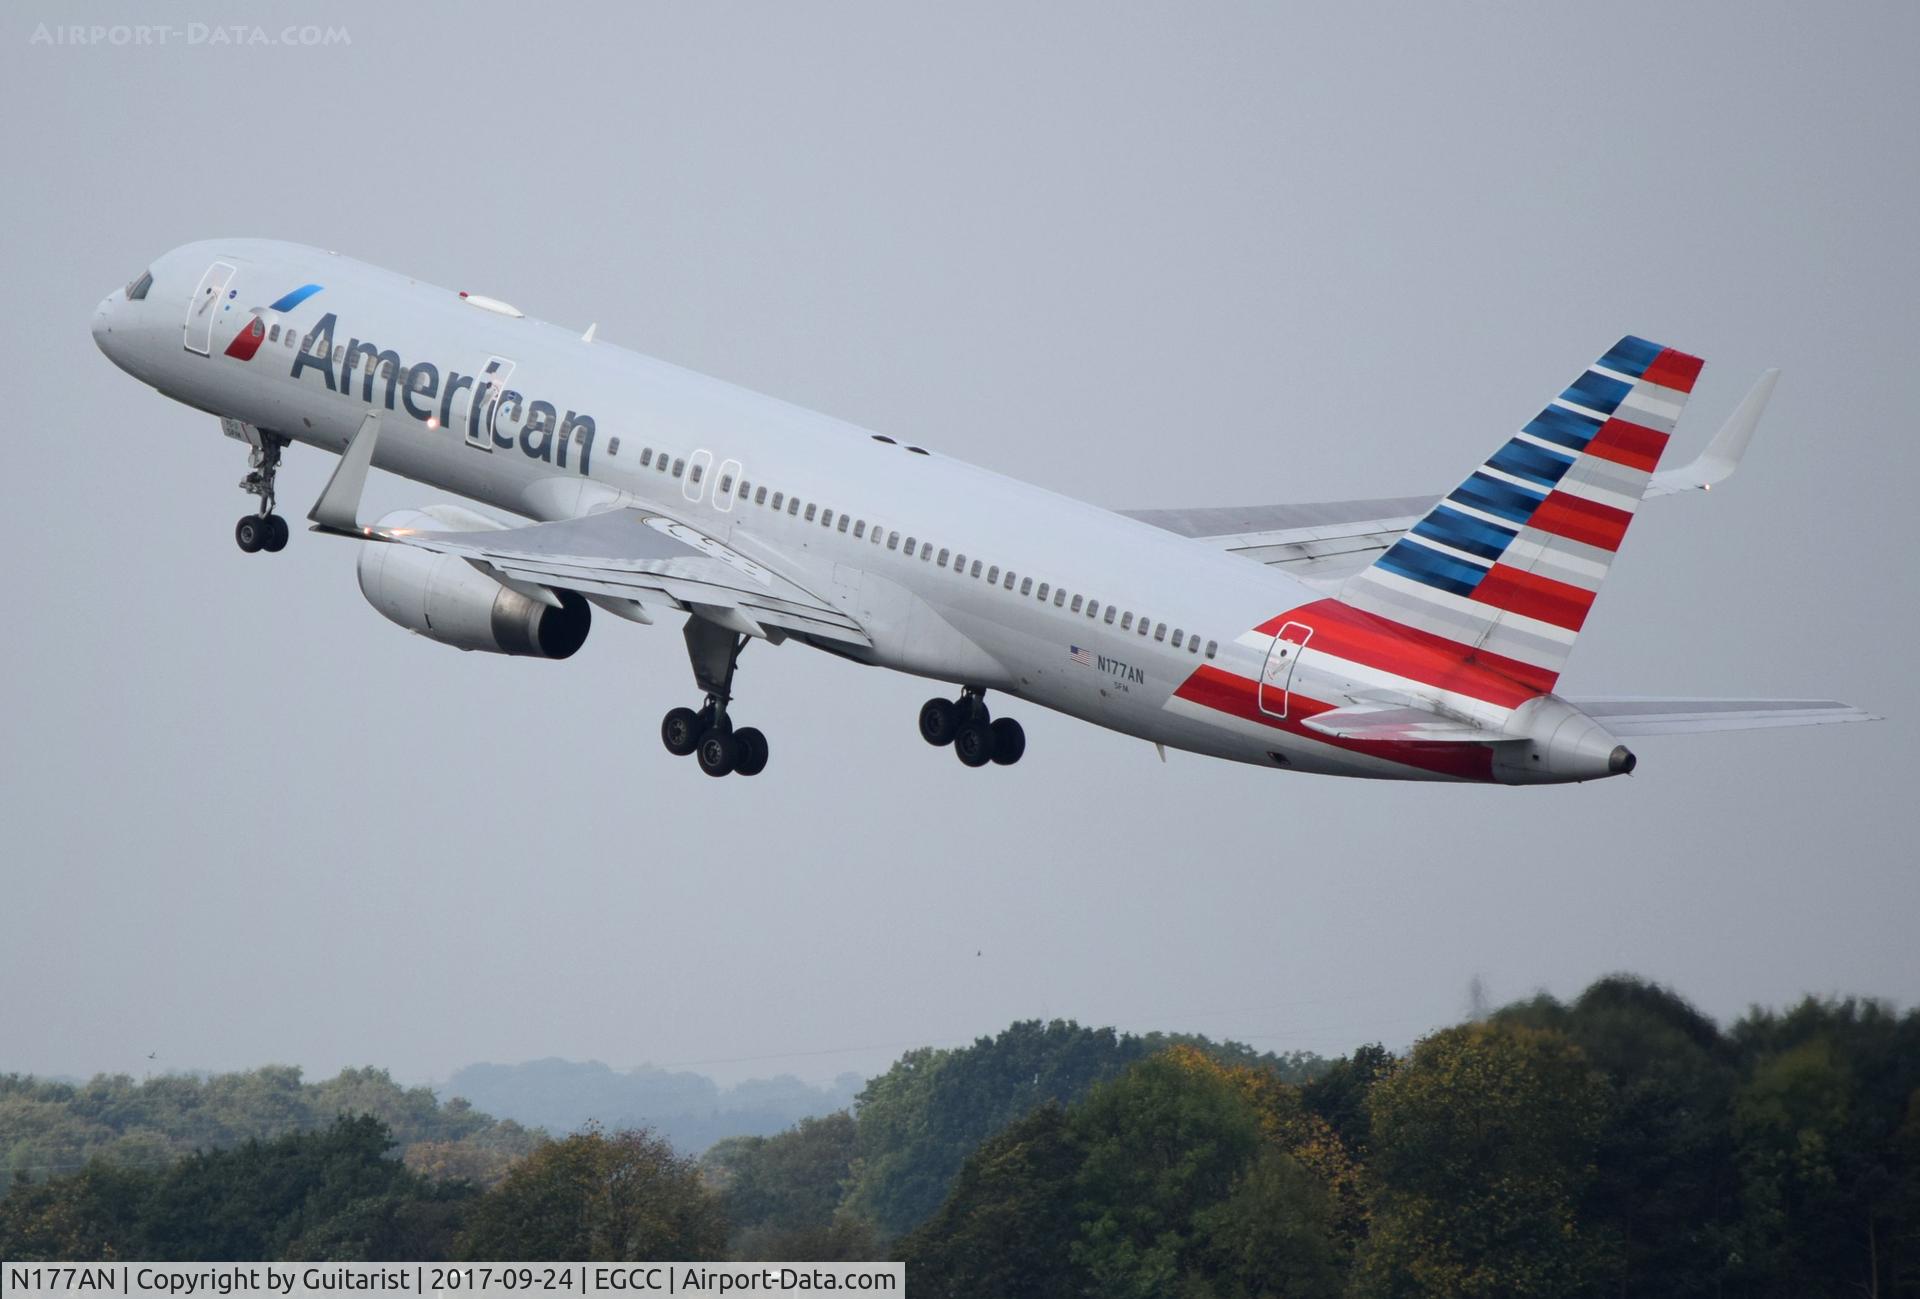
1651 716
1407 725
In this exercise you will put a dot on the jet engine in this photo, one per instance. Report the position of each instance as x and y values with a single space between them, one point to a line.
444 598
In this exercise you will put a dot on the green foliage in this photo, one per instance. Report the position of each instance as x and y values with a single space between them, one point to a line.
599 1198
919 1121
334 1194
1483 1146
782 1193
48 1128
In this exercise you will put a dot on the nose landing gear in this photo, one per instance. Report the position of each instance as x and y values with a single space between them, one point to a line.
976 736
263 529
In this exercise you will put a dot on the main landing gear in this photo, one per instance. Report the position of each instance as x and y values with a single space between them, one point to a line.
708 734
263 529
977 738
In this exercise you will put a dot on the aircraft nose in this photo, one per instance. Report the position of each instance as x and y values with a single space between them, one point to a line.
103 320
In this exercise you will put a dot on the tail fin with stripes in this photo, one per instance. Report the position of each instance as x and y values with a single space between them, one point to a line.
1507 564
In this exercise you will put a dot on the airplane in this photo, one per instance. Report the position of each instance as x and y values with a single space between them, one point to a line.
1411 638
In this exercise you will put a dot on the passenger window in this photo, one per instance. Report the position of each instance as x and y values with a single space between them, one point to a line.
693 477
893 540
760 497
1178 637
826 518
1109 615
1009 582
1044 588
273 335
726 480
1076 604
926 552
1212 645
1093 608
909 550
976 568
679 467
779 499
646 457
1026 584
944 554
959 563
1146 624
1059 597
339 353
810 511
993 575
1160 632
843 523
1126 621
1193 644
859 528
613 446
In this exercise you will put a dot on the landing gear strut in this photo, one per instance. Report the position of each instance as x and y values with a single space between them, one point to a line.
708 734
263 529
976 736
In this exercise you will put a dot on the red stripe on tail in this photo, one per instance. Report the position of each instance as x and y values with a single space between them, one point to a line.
1579 519
1628 444
1533 596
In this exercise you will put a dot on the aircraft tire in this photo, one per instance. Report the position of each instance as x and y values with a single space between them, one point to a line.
939 721
680 731
751 756
277 533
973 744
1009 741
250 533
717 752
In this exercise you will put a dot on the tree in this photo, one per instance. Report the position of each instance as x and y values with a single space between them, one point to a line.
782 1192
597 1197
1483 1146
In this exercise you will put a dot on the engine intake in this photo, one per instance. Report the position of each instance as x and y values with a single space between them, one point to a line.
446 599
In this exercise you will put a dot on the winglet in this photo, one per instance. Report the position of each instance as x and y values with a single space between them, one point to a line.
338 509
1716 464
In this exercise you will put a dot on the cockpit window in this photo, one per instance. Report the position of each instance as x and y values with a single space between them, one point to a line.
138 289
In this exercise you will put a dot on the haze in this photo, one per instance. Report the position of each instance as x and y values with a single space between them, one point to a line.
1148 255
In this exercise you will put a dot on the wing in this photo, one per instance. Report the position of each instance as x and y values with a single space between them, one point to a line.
1626 716
1329 542
622 558
639 555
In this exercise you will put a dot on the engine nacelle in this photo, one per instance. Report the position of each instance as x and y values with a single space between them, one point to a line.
446 599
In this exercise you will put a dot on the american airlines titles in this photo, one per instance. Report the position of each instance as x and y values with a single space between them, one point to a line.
493 410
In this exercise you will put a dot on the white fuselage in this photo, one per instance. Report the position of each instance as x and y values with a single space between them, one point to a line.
925 614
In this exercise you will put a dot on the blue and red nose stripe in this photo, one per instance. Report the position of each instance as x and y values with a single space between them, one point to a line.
289 301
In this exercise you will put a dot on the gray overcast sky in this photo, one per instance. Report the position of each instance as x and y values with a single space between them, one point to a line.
1149 255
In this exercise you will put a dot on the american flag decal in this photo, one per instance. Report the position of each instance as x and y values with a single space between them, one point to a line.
1081 656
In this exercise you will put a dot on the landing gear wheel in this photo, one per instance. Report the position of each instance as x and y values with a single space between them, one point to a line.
939 719
750 758
680 731
973 744
1009 741
277 531
718 752
250 533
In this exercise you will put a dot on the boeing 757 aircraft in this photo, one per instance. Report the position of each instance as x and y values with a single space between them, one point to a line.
1414 639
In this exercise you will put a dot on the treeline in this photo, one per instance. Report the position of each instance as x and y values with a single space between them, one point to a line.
1619 1144
48 1128
688 1109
